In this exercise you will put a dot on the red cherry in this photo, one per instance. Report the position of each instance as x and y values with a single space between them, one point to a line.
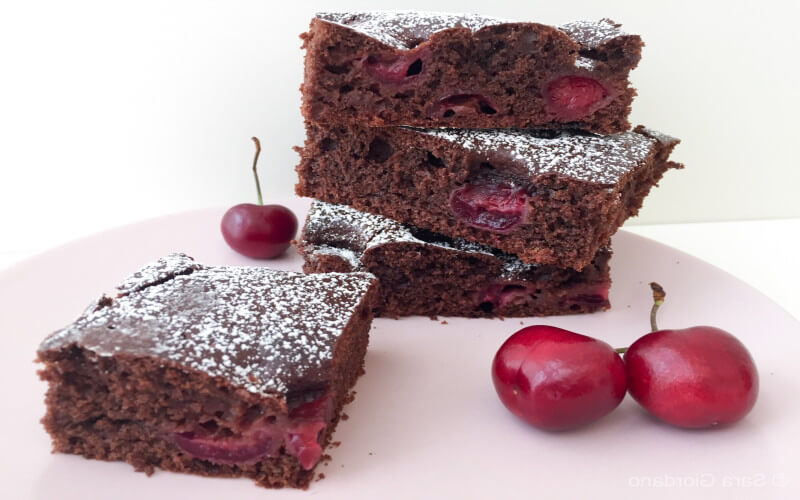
302 441
463 104
259 231
299 434
497 207
241 450
396 70
573 97
307 421
557 380
698 377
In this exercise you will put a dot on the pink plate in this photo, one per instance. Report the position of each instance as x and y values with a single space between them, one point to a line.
426 421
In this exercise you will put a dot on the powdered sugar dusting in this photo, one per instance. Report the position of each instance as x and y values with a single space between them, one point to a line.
162 269
580 156
347 255
264 330
406 29
367 231
659 136
585 63
593 34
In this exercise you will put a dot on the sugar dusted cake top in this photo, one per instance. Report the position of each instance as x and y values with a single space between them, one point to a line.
264 330
407 29
581 156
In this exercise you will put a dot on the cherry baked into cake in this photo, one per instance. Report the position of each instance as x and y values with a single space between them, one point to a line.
548 197
467 71
423 273
217 371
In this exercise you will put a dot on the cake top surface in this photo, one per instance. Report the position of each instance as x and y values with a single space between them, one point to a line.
267 331
582 156
593 34
407 29
349 233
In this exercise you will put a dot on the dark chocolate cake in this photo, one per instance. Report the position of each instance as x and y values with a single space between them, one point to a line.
461 70
217 371
548 197
422 273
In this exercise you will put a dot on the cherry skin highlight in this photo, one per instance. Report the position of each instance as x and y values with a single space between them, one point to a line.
259 231
695 378
558 380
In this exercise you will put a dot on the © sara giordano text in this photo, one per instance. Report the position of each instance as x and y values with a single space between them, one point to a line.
709 480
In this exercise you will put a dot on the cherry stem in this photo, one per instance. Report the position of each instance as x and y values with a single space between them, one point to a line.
658 301
255 172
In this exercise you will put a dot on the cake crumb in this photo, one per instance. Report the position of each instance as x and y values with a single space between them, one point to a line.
345 416
444 322
320 476
521 323
336 444
370 453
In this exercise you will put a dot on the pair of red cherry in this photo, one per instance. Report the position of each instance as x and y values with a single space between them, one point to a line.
558 380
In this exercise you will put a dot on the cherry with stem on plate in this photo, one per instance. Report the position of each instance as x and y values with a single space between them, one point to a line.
698 377
558 380
259 231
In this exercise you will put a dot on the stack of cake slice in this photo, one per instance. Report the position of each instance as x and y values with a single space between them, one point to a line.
476 166
471 166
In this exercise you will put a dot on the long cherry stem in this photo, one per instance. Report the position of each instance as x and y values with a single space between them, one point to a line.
255 172
658 301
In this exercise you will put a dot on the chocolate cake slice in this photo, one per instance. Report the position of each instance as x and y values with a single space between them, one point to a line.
548 197
217 371
423 273
467 71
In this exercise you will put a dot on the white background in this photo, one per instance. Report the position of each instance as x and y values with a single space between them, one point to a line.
111 112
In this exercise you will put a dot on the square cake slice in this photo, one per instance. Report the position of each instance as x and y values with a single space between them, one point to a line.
423 273
431 69
216 371
548 197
